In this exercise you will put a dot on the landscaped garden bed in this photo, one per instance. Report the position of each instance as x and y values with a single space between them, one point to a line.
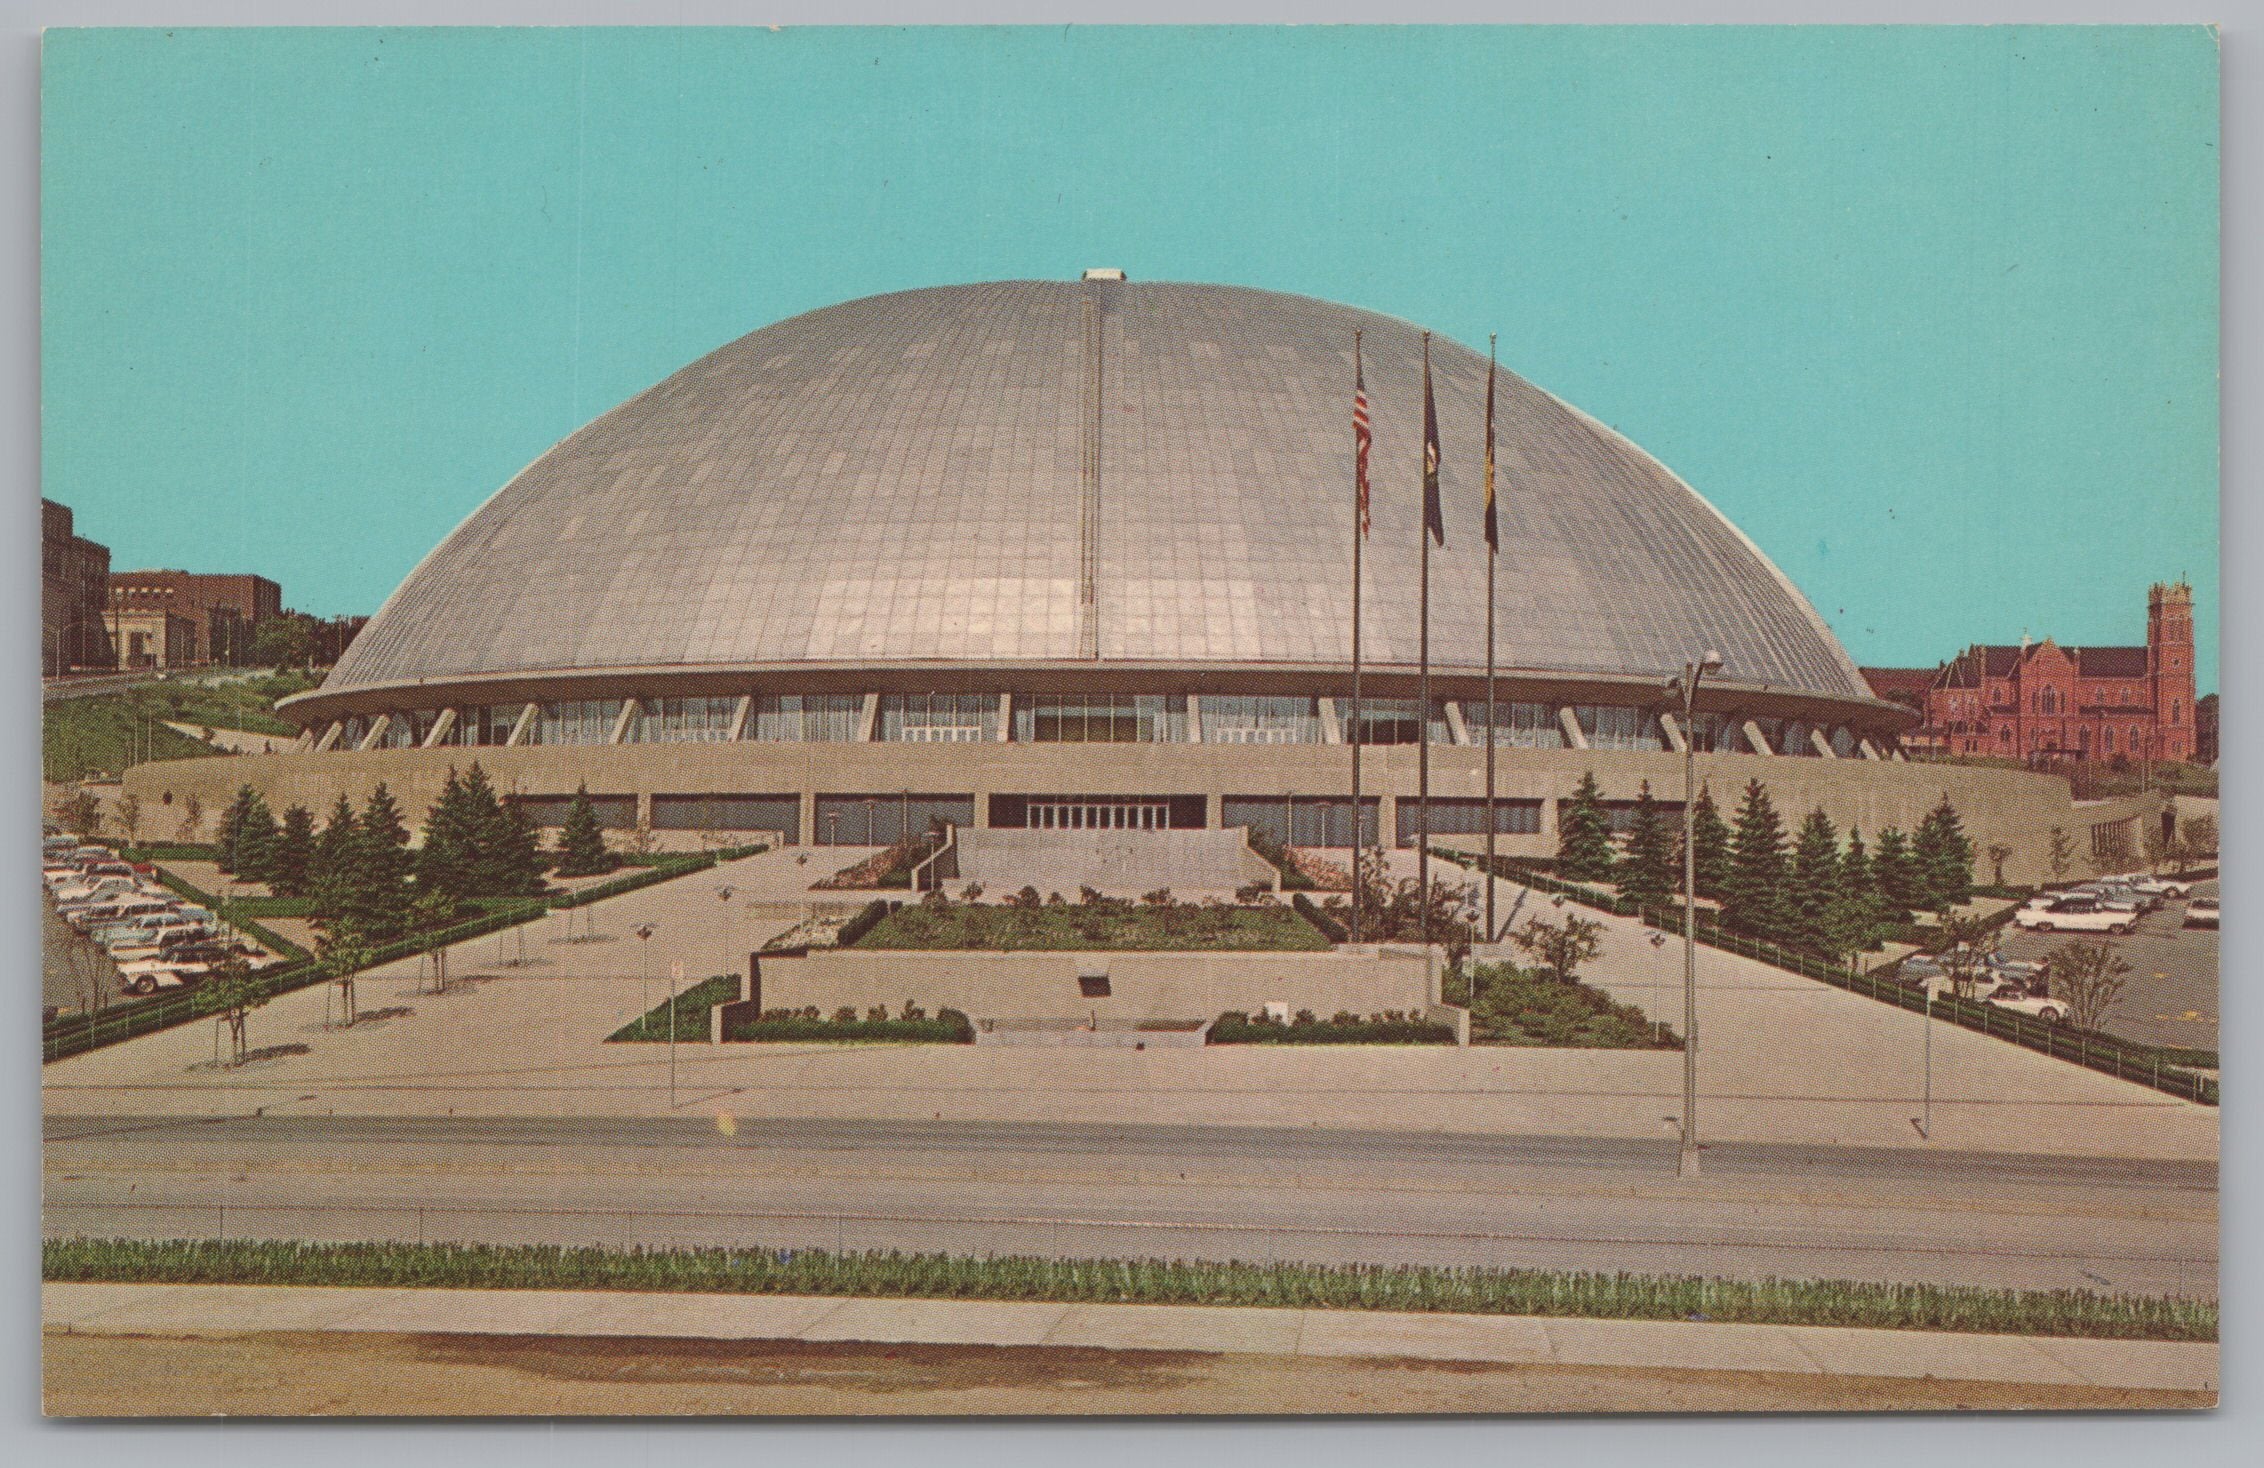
914 1026
1344 1028
1472 1291
1103 924
1517 1006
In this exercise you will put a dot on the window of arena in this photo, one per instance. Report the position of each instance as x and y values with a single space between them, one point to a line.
938 718
1100 718
1516 725
1243 719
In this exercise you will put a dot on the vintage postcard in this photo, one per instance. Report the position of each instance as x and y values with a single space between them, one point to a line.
1131 721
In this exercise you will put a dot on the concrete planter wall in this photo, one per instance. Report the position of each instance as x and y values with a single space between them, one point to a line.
1051 984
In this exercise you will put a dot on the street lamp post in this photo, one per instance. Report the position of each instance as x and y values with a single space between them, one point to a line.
1686 684
644 932
724 895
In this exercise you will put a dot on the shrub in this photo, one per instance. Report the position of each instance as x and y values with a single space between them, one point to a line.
1232 1028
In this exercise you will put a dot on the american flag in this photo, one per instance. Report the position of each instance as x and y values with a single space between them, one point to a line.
1363 437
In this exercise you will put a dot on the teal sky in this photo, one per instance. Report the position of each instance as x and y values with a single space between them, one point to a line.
1931 314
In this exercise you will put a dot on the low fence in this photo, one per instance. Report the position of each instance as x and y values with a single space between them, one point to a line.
76 1034
2119 1058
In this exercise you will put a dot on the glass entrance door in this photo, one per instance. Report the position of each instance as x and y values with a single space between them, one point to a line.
1099 815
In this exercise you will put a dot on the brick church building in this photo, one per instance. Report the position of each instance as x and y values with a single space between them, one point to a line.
2040 702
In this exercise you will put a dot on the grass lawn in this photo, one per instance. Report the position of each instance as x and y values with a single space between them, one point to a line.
101 734
1080 926
892 1275
692 1007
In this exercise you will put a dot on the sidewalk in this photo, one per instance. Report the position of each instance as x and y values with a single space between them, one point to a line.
1816 1351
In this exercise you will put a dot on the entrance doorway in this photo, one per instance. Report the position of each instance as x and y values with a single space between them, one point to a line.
1100 815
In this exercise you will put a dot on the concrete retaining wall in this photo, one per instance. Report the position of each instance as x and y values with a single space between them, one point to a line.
2017 807
1141 985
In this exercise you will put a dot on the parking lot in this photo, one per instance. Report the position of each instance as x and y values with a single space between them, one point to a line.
2170 994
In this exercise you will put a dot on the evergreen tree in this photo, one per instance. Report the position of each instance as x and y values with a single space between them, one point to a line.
378 903
1815 883
519 859
1709 845
487 838
291 872
581 843
446 862
1647 873
256 840
330 876
1943 856
1584 835
1896 877
1860 911
231 830
1753 898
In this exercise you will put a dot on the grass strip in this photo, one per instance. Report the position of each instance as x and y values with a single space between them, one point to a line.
1138 1281
692 1006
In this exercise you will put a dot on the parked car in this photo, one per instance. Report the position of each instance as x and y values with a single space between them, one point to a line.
2147 882
160 975
2040 1006
2201 912
2075 915
103 914
2121 899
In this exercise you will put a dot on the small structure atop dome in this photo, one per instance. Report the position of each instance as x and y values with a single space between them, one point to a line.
1104 273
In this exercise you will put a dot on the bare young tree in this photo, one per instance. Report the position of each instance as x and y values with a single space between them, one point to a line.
233 992
1560 948
2088 979
1967 945
1999 854
2062 854
129 817
192 819
2198 834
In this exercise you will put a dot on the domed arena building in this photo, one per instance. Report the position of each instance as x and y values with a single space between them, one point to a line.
1078 555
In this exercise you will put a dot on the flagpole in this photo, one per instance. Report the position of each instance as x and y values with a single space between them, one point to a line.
1423 680
1493 547
1360 433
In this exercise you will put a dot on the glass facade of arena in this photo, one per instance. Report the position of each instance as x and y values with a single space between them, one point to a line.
885 818
814 718
1232 719
684 720
1394 721
1459 816
1091 718
938 718
1100 718
780 813
1303 820
1610 726
1516 725
614 812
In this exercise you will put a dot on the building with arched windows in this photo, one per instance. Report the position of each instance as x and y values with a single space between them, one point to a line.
2044 703
1078 555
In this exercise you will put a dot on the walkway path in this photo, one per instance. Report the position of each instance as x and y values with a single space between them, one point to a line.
143 1309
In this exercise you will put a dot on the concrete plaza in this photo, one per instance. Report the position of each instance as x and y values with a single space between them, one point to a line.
1783 1058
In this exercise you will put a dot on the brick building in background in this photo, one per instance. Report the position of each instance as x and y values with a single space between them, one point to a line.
224 610
74 596
2039 702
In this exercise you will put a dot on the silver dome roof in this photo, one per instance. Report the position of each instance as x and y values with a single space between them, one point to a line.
1041 472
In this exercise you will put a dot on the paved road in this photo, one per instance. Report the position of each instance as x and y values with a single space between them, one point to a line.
1090 1191
2170 995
